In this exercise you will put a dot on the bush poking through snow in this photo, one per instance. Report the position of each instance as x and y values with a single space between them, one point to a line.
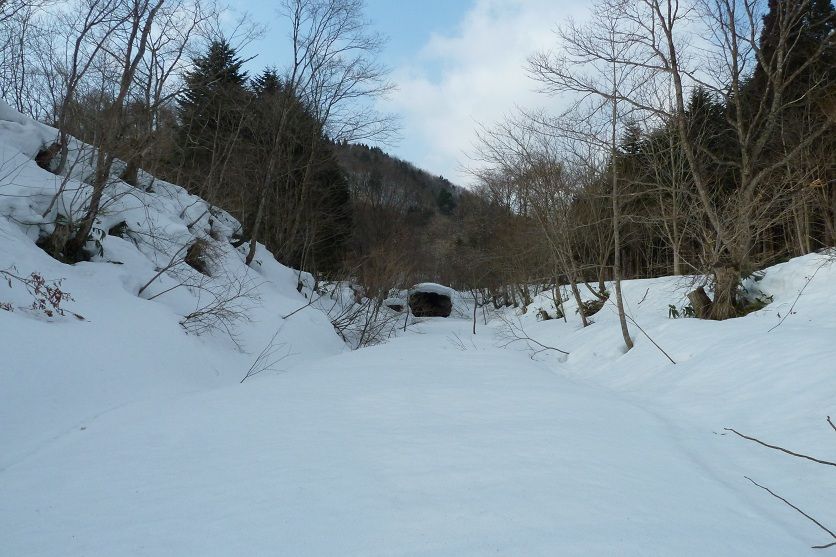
755 305
119 230
47 295
358 320
221 304
53 243
685 311
591 307
513 331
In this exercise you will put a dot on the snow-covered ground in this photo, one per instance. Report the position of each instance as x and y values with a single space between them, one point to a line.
124 434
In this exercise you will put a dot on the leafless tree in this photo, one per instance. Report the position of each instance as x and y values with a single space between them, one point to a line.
673 47
335 73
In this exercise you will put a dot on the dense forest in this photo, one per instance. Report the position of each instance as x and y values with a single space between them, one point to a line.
695 142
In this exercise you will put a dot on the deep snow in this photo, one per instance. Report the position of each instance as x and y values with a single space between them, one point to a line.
122 434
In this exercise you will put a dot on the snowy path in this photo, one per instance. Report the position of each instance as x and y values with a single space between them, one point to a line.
411 448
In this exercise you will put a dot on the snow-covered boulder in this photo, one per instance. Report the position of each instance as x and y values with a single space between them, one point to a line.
395 303
429 299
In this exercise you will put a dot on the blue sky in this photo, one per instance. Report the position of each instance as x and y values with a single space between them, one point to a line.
457 64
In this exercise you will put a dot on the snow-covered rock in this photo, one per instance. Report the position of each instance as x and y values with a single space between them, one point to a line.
429 299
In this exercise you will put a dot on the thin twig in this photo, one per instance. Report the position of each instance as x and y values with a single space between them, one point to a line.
807 516
800 292
310 303
783 450
266 359
517 333
639 327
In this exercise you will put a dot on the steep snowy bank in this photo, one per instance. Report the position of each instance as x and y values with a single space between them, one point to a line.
59 371
774 366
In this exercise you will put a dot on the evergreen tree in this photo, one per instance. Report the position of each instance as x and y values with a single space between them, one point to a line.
812 30
335 218
266 83
808 74
211 108
446 202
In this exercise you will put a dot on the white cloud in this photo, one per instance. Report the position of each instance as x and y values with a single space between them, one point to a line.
472 77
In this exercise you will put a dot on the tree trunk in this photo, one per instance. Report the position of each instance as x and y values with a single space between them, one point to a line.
602 277
256 226
75 245
577 294
475 306
700 302
677 263
131 173
616 228
726 283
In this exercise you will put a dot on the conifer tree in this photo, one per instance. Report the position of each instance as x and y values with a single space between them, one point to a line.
266 83
210 110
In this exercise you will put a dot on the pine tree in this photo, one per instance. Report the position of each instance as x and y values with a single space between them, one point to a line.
334 215
266 83
812 29
210 109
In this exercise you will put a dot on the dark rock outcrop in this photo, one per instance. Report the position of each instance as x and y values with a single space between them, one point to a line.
430 304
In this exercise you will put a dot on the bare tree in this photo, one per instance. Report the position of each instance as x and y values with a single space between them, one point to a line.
334 71
678 47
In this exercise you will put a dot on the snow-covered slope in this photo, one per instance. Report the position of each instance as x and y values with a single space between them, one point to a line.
126 434
60 371
772 369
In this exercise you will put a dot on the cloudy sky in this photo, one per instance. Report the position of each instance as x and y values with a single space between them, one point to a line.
456 63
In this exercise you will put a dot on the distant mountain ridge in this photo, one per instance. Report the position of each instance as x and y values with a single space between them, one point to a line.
362 161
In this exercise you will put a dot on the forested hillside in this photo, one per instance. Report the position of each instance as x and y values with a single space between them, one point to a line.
406 221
